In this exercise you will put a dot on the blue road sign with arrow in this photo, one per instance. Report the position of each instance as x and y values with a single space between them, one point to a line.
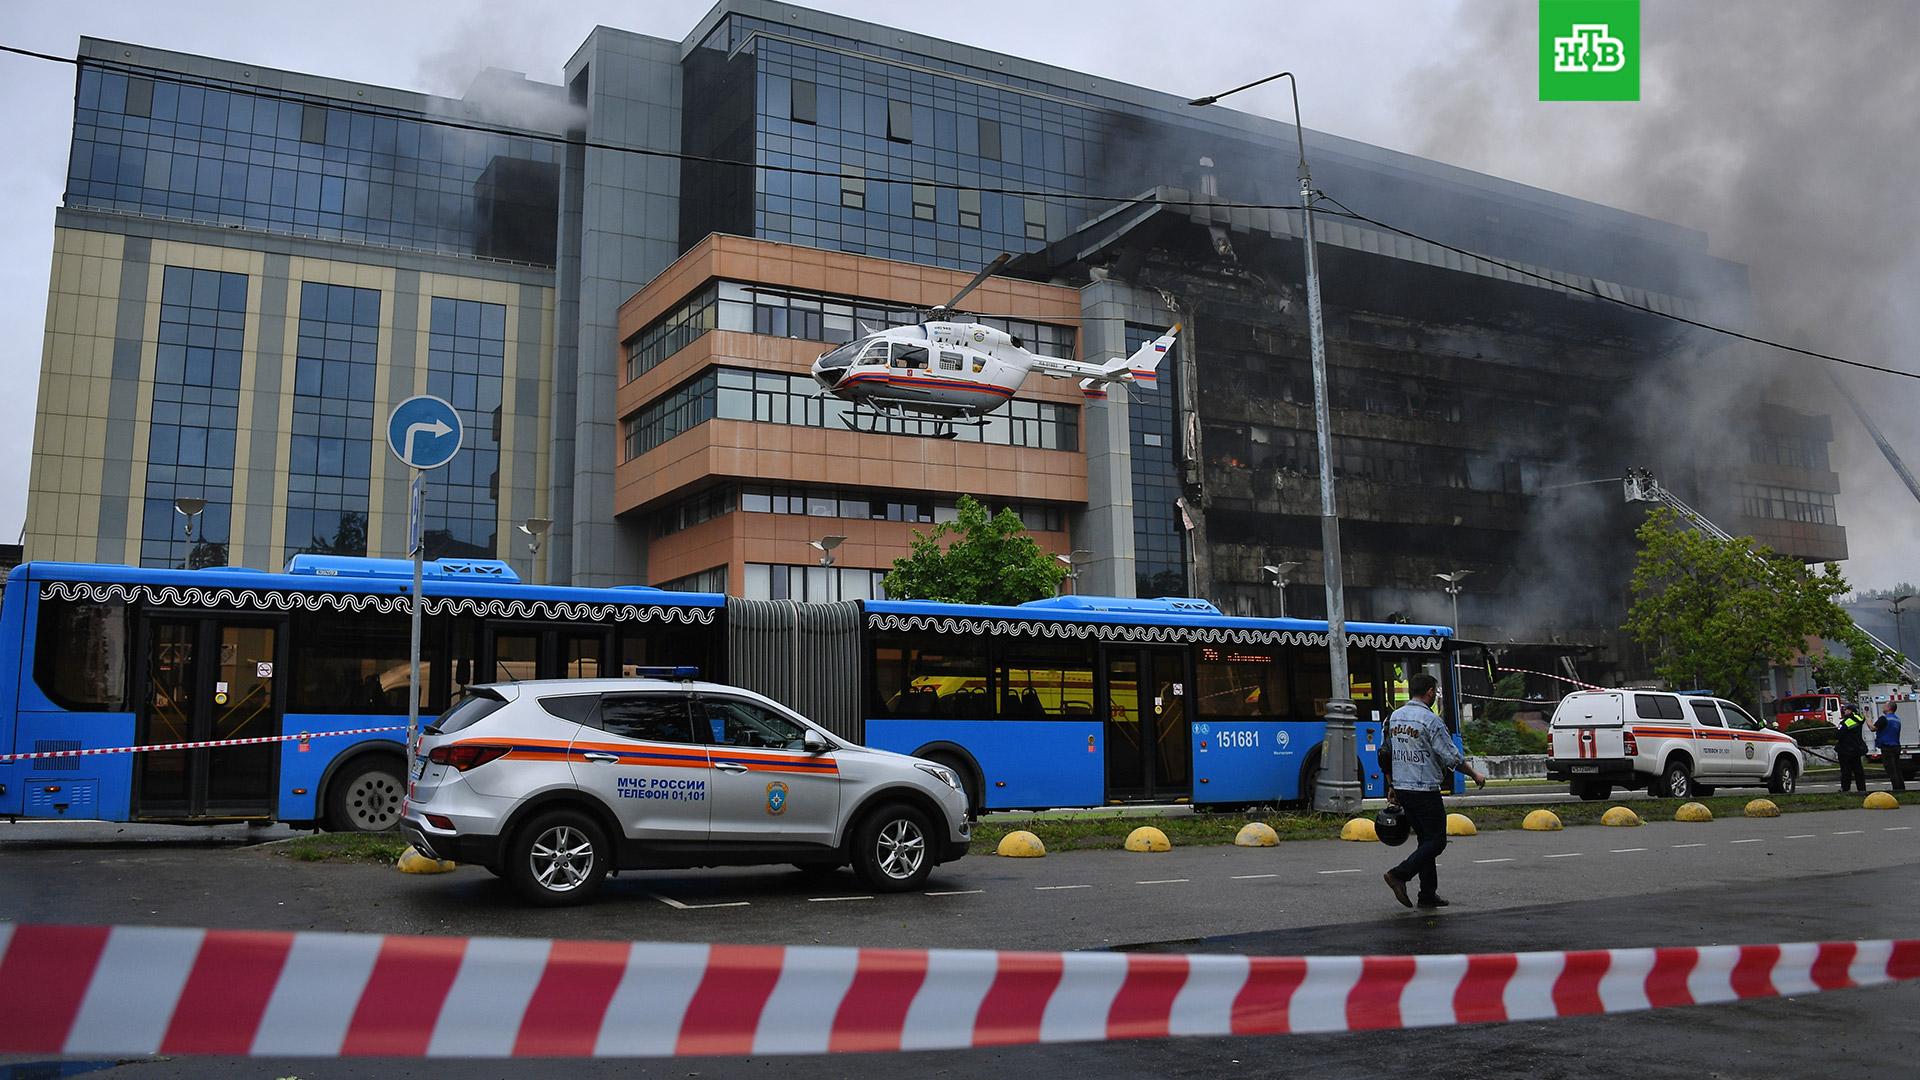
424 432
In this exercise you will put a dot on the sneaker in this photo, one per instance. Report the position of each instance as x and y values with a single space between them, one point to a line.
1431 902
1399 890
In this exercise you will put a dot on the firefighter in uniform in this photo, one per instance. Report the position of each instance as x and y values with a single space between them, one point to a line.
1852 749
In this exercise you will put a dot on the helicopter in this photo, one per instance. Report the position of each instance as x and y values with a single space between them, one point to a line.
952 371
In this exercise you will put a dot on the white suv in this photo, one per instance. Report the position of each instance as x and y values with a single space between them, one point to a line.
1675 745
553 784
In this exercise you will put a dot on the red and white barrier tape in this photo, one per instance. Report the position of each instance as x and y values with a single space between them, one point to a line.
303 736
82 990
1549 675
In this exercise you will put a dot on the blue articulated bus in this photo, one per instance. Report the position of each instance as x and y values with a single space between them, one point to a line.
110 657
1085 701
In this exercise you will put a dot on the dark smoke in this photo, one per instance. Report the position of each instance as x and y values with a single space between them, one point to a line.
1788 133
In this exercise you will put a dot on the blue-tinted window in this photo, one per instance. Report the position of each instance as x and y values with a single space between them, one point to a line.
273 160
329 473
466 365
1159 539
196 402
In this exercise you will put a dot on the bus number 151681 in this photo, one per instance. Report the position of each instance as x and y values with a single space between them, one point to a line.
1233 740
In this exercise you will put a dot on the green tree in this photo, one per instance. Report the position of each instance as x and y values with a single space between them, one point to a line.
976 559
1716 614
1494 731
1862 666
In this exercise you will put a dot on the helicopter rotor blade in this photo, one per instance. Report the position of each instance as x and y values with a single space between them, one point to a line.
986 272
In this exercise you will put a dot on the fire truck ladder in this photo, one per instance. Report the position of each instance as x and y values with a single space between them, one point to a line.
1642 487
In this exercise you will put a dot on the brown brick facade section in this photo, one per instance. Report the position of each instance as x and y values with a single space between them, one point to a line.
737 451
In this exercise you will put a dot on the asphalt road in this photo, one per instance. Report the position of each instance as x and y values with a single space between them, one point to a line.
1803 876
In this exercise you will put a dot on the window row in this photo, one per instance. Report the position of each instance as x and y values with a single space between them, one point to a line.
812 583
774 398
810 316
1792 451
901 120
1786 504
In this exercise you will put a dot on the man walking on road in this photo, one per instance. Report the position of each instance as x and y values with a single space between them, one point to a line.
1423 757
1886 737
1852 750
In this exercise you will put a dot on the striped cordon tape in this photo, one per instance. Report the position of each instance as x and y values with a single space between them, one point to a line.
1548 675
256 740
129 991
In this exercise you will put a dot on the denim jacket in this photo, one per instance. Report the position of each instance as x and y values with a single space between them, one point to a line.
1424 756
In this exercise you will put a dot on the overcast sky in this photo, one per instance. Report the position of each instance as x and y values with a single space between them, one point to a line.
1390 73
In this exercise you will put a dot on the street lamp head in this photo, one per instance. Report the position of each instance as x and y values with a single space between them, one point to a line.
536 527
188 506
825 546
1208 100
1455 577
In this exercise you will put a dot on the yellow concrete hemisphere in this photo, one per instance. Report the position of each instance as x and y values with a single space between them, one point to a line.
1256 834
412 862
1148 838
1359 828
1763 808
1621 816
1881 800
1693 811
1021 844
1461 825
1542 821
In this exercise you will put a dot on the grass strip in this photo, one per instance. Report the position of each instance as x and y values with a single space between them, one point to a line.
1100 831
381 847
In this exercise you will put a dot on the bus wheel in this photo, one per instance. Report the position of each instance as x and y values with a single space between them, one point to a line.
365 796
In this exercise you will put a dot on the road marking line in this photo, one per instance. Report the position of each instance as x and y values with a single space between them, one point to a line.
1849 832
1165 881
1252 877
1056 888
1689 845
678 906
1896 828
958 892
1624 850
1563 855
1802 836
1340 871
1492 860
834 899
1753 841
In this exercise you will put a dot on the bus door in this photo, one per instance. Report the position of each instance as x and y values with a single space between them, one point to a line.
1148 723
207 679
517 653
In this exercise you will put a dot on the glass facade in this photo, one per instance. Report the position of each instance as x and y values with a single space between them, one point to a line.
177 146
774 398
196 408
813 583
798 313
1159 539
466 365
1786 504
832 502
330 468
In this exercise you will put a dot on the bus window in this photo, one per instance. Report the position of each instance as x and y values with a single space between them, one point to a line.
1239 681
354 664
1312 684
516 657
928 678
1044 680
80 655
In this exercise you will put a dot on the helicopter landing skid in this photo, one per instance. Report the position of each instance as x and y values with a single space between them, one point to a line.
886 409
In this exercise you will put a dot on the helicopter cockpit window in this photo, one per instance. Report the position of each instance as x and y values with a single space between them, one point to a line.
979 364
952 361
912 357
840 357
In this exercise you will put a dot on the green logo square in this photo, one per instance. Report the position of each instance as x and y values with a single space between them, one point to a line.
1589 50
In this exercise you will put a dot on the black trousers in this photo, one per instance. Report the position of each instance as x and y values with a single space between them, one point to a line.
1853 767
1890 760
1428 816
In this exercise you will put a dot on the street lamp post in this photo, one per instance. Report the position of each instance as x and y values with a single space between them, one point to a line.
1338 788
1072 561
536 530
1278 572
825 546
1453 590
1899 639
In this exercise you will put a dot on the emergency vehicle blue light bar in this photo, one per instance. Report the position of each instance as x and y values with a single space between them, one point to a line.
684 671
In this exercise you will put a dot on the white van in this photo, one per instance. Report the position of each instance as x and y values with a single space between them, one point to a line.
1676 745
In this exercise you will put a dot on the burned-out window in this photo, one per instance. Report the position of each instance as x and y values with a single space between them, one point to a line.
80 655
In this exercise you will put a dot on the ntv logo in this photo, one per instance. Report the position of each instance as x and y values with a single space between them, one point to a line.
1589 50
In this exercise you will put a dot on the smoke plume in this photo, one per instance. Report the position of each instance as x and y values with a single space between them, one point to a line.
1787 132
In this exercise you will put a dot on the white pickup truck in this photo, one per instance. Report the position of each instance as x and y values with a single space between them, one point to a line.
1678 745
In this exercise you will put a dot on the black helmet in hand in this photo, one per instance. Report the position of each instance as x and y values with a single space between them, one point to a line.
1391 825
